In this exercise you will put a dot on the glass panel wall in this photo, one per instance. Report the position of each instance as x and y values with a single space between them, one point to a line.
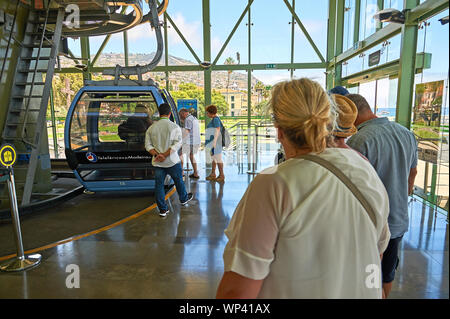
430 116
65 86
349 23
386 98
367 22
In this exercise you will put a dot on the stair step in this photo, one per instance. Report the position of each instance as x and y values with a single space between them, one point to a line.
27 96
20 110
33 58
48 32
16 124
20 167
29 83
36 46
11 139
32 70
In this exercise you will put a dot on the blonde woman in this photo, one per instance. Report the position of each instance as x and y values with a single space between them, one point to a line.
298 231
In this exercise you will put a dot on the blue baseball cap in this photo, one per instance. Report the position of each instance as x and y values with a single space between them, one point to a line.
339 90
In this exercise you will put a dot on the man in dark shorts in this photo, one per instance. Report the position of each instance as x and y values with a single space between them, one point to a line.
392 151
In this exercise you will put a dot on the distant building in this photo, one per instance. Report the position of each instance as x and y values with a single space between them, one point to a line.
237 101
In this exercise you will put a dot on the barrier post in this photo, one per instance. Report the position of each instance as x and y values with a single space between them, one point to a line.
255 159
253 152
187 170
20 262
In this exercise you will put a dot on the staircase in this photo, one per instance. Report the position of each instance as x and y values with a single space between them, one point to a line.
26 118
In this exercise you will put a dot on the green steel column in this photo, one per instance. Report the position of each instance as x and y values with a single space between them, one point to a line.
207 51
356 21
99 52
166 51
125 47
85 54
407 69
54 130
432 197
249 94
339 40
380 6
206 58
249 71
331 41
292 38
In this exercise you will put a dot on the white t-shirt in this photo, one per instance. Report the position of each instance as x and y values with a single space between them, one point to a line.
161 136
303 231
191 124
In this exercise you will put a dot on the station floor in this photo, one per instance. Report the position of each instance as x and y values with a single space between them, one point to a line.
181 256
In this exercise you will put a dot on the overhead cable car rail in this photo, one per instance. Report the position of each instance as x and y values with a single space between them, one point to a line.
100 17
139 70
105 127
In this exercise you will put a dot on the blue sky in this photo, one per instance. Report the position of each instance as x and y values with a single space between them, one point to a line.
271 34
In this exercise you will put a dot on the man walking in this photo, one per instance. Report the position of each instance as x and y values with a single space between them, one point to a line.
162 141
392 151
192 141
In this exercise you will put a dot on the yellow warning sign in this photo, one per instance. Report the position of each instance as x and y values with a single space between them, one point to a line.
8 155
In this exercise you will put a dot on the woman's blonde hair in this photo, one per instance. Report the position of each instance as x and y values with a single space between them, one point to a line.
303 110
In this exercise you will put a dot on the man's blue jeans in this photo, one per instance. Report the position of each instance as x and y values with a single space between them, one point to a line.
177 175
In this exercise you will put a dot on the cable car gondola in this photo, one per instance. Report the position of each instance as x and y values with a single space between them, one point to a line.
105 127
105 134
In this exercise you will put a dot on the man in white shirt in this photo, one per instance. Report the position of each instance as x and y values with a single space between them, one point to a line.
191 143
162 141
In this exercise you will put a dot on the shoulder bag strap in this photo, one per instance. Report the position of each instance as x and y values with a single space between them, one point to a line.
336 171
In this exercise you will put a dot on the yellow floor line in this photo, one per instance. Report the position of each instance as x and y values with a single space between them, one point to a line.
94 232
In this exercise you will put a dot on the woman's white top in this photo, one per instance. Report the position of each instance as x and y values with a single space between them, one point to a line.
303 231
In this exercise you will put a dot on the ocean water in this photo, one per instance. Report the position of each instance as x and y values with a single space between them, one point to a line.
386 112
390 113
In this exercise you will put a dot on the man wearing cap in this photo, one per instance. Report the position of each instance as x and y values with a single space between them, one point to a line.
339 90
392 151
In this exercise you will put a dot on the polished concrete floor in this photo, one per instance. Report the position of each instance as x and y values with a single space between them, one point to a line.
181 256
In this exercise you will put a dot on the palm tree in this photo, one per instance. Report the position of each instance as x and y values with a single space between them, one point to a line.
229 61
259 88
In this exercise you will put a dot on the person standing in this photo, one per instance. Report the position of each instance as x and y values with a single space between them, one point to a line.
191 143
392 151
213 143
299 231
162 141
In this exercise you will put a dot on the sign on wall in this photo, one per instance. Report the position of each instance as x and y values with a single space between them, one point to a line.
189 104
427 119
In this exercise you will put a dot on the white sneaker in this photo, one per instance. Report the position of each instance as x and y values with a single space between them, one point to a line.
163 213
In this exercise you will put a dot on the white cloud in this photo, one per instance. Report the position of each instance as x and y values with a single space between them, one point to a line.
271 77
313 26
191 31
216 45
141 32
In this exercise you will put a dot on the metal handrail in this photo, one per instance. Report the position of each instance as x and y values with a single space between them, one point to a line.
33 80
9 40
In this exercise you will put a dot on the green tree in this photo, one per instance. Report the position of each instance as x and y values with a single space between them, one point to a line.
61 99
191 91
229 61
